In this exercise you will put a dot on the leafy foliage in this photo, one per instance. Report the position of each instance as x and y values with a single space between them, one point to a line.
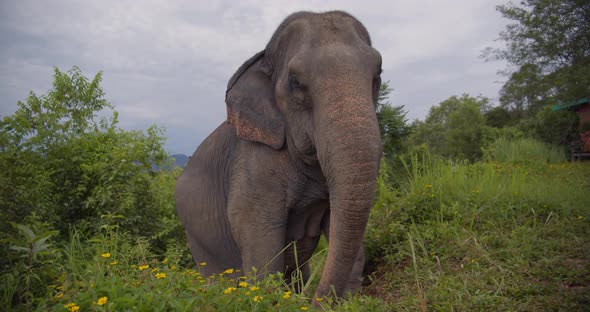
525 92
549 48
37 263
61 162
454 128
497 117
393 124
556 127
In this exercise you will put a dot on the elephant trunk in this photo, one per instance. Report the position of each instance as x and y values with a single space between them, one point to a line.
349 150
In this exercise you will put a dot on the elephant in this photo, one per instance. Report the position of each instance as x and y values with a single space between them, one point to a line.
297 157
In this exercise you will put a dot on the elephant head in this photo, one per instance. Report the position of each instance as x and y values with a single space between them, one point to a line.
313 90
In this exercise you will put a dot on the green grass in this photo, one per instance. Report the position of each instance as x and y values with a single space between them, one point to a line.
498 236
525 150
484 236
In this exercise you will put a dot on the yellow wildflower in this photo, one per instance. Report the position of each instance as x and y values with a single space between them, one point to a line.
165 261
287 295
106 255
203 263
72 307
154 270
102 300
144 267
228 271
241 277
319 299
257 298
114 262
253 288
229 290
160 275
243 284
303 308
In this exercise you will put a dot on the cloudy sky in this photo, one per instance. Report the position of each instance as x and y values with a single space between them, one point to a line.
168 62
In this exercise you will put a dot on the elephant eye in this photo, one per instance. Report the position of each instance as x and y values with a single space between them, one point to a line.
294 84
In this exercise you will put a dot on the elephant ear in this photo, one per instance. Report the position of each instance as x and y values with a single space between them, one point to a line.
251 106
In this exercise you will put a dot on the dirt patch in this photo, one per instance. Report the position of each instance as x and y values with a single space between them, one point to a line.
375 282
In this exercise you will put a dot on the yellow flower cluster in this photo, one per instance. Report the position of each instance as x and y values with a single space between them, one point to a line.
257 298
253 288
106 255
228 271
144 267
243 284
287 295
72 307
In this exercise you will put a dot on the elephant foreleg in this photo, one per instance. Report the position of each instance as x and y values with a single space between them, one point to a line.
259 234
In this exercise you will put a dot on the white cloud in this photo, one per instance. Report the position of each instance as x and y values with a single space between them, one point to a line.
168 62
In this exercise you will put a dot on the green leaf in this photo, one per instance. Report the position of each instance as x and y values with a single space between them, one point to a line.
19 248
26 231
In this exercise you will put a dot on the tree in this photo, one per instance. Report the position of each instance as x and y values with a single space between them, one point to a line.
556 127
548 47
393 124
525 92
497 117
453 128
63 163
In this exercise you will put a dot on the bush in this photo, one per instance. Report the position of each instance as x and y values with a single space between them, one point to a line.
62 163
454 128
552 127
393 124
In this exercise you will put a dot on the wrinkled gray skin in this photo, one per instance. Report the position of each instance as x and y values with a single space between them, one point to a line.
298 156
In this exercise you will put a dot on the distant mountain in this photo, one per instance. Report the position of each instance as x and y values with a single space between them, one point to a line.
180 159
176 160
